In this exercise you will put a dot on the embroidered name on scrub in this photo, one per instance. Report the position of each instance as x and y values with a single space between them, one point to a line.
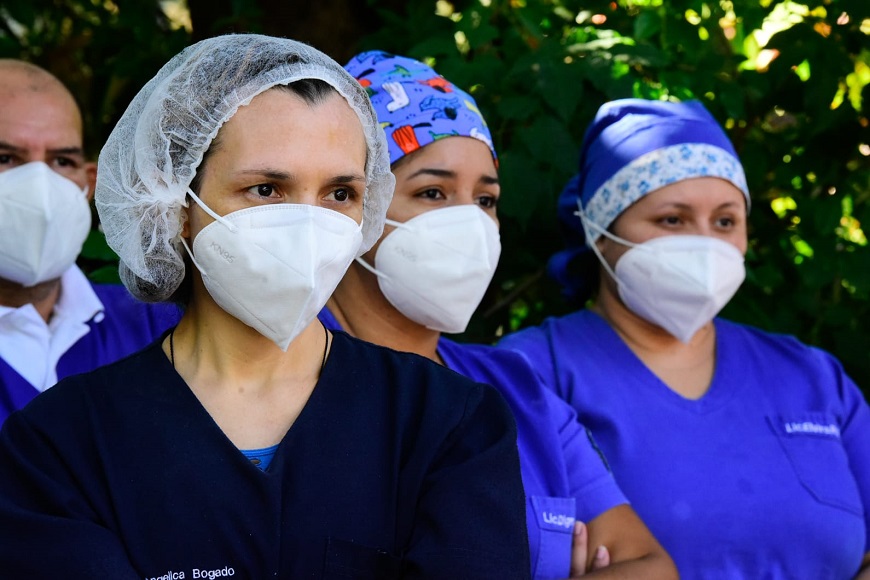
196 573
812 428
560 520
555 518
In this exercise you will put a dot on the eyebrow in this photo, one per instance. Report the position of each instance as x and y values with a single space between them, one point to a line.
10 147
350 178
485 179
273 174
278 175
58 151
688 206
68 151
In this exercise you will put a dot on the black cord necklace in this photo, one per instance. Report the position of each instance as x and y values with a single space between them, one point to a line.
322 362
325 346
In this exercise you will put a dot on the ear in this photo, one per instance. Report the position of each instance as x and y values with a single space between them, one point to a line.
185 221
91 176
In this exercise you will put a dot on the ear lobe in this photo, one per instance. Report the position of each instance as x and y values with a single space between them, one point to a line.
185 223
91 176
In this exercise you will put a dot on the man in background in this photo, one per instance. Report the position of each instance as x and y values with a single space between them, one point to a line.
53 321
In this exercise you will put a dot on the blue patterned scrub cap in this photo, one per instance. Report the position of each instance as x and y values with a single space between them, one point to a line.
634 147
415 105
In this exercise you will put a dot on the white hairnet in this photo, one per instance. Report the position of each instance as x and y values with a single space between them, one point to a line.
152 154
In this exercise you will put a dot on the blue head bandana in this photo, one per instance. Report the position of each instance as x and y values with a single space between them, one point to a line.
415 105
634 147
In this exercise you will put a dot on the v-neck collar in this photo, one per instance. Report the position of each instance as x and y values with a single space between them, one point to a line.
722 388
212 432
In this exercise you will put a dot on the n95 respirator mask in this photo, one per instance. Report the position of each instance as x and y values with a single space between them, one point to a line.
436 267
677 282
273 267
44 220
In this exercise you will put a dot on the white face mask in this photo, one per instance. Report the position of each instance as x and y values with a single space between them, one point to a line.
44 220
274 266
436 267
677 282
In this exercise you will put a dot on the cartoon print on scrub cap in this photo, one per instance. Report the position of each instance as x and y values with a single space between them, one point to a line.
415 105
634 147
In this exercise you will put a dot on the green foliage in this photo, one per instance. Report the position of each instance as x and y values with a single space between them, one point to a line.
103 54
790 82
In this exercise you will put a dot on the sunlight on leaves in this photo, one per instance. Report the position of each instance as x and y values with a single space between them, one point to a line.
177 13
782 205
801 247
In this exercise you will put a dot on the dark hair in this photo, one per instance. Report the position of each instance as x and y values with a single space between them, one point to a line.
312 92
584 272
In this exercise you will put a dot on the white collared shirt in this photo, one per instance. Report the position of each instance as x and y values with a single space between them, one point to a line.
32 347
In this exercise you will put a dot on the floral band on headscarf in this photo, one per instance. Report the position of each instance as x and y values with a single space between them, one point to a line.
655 170
415 105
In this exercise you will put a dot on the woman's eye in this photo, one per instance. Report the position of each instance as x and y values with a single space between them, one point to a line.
725 222
341 195
264 190
487 201
670 220
430 194
65 162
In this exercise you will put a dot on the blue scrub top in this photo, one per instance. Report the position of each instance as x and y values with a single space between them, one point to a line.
127 326
766 475
564 476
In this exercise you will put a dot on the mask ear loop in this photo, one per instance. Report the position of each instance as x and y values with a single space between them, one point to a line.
359 260
224 222
228 224
190 253
396 224
586 223
371 268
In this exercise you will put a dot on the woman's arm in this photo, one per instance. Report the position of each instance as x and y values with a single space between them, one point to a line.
47 526
634 552
855 435
580 551
470 518
611 522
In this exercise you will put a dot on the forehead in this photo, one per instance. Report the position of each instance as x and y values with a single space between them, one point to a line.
697 192
278 120
458 154
39 118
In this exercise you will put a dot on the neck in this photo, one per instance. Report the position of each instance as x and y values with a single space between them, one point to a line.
686 368
362 310
215 350
252 389
43 296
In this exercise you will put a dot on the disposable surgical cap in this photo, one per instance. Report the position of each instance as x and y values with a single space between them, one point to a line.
634 147
153 153
416 105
